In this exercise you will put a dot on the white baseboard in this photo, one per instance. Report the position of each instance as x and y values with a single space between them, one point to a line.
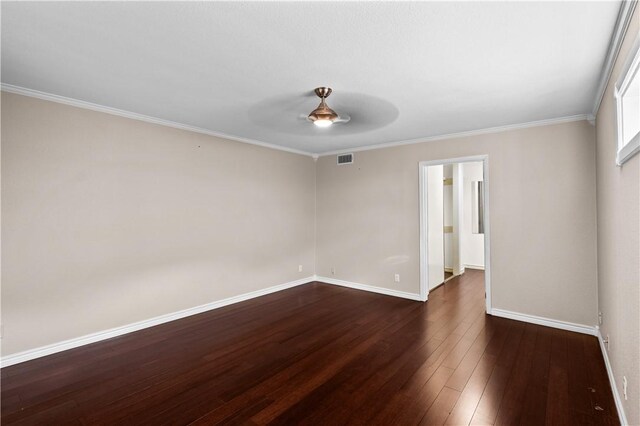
612 380
129 328
547 322
478 267
579 328
118 331
365 287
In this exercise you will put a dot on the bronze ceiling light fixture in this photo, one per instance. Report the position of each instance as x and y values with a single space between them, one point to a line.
323 116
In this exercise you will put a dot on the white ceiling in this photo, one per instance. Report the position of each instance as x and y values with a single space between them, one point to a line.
400 70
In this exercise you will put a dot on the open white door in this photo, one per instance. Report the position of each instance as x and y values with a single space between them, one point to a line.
435 225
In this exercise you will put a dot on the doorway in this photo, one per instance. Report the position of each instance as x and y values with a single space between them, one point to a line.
454 221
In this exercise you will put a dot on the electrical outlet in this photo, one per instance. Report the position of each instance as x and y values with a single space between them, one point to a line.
624 387
333 271
396 278
600 318
299 268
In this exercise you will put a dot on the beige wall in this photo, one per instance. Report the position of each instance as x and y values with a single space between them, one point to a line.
107 221
618 191
543 217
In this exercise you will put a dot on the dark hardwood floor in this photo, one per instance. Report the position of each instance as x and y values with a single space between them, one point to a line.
324 355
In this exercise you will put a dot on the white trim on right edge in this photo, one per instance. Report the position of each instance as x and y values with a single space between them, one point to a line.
373 289
612 380
627 147
619 31
547 322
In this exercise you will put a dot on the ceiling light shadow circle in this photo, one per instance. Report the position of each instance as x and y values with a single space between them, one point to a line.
288 113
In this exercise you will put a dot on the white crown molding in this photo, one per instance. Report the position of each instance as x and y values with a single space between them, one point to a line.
129 328
612 380
370 288
140 117
622 23
498 129
547 322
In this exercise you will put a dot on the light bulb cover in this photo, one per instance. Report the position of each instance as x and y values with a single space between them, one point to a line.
323 122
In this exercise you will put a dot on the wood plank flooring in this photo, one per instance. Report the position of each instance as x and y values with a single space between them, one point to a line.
324 355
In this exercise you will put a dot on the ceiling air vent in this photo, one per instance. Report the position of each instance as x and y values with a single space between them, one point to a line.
345 159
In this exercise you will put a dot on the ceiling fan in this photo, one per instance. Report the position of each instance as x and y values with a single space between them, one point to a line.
323 116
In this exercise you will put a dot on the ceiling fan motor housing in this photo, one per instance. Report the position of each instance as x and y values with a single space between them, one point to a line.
323 92
323 112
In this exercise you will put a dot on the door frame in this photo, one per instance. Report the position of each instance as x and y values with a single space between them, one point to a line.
424 228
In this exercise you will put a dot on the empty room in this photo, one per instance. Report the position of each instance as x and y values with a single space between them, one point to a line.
320 213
